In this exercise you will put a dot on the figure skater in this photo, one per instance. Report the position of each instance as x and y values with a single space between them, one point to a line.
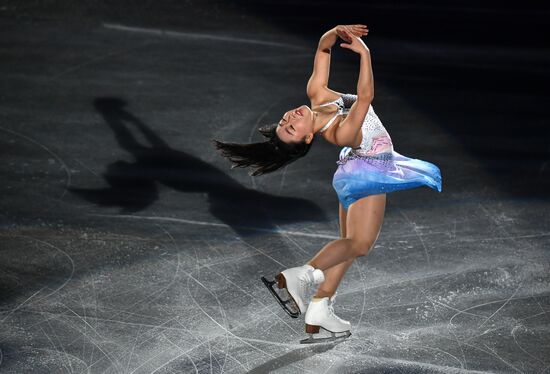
368 168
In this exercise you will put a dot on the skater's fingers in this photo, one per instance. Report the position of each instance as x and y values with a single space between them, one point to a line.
346 36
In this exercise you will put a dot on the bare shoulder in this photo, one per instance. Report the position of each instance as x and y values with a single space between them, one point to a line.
323 95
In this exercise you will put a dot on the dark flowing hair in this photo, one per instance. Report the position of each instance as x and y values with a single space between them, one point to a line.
265 156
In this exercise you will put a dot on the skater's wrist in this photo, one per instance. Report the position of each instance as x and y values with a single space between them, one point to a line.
328 39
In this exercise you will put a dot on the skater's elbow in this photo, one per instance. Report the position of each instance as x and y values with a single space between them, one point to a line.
366 96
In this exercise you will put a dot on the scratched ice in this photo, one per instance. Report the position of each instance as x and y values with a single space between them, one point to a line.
128 246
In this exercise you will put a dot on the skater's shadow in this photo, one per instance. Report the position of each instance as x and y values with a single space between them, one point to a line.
133 186
292 357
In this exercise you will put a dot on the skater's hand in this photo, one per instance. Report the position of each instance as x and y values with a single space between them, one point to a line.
355 44
344 31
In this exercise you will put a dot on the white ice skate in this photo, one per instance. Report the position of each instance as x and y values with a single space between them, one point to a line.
297 282
320 313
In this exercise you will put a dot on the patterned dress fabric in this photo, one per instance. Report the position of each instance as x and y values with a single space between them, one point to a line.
375 167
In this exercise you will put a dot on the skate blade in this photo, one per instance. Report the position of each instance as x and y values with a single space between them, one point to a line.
288 305
329 339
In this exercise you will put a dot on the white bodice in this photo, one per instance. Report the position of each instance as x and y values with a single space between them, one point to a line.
375 136
372 129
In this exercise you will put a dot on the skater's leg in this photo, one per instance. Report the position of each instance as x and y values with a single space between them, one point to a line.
363 223
334 275
362 226
342 213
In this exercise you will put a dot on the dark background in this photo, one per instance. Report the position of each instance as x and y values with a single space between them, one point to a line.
479 68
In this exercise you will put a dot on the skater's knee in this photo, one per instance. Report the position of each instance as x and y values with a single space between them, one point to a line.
361 247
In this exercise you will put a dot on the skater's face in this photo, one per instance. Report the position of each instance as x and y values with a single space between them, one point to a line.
296 126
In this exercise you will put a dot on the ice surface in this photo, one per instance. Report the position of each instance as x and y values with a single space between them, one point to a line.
129 246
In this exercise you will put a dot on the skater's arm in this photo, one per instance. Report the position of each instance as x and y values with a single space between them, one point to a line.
317 86
318 82
347 134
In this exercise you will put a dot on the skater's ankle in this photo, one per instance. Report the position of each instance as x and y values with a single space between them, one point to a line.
321 295
312 264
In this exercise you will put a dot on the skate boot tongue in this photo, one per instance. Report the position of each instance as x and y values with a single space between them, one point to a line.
317 276
314 275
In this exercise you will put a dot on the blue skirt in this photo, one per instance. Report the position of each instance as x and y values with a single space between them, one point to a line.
358 175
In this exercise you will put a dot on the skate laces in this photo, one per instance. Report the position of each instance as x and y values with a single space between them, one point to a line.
331 307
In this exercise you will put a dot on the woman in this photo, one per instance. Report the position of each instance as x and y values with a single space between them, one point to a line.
368 168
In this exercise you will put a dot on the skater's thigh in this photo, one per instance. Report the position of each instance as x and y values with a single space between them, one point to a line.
364 218
342 214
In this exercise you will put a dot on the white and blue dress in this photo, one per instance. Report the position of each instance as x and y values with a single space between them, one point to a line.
375 167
